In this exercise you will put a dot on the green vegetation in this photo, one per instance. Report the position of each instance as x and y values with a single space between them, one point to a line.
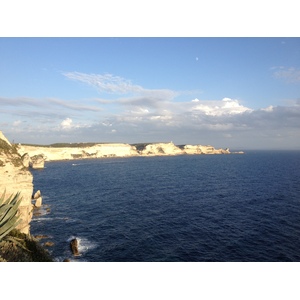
139 146
142 146
20 247
14 245
72 145
181 147
12 152
65 145
8 214
6 148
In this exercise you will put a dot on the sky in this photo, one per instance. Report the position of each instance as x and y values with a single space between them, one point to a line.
236 92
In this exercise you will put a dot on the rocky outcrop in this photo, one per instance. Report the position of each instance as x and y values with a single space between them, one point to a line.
199 149
37 197
49 153
161 149
15 177
26 160
74 243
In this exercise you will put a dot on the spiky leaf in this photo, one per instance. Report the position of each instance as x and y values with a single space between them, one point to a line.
8 214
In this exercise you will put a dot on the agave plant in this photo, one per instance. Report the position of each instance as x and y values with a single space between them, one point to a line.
8 214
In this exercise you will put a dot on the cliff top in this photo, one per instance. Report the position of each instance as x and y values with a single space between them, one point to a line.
2 137
88 144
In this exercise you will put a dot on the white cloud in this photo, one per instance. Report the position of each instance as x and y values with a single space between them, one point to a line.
105 83
108 83
291 75
272 127
145 115
17 123
218 108
269 108
66 124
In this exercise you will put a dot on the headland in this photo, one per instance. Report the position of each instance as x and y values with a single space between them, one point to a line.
54 152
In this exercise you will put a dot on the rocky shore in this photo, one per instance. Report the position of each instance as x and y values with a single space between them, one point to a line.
17 245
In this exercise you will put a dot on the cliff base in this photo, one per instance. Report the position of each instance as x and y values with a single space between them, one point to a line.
20 247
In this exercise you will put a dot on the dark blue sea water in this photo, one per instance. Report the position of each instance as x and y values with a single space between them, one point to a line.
176 208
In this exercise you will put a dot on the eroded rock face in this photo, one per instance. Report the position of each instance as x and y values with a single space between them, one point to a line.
15 177
37 198
26 160
37 161
114 150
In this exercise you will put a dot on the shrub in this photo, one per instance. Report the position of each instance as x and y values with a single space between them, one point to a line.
8 214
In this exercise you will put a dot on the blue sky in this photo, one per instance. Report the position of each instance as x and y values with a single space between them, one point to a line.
241 93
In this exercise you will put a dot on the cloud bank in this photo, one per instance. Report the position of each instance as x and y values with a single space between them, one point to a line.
135 114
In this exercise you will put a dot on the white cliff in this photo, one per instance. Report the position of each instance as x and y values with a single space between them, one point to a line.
199 149
54 153
69 153
161 149
15 177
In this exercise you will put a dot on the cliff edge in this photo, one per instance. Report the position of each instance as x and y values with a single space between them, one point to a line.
82 151
15 177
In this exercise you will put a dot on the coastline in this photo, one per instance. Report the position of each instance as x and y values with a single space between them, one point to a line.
38 154
16 161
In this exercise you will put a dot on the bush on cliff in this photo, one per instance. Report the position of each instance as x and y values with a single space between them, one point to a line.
14 245
8 214
20 247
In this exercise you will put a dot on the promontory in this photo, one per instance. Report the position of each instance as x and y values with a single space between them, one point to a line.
40 153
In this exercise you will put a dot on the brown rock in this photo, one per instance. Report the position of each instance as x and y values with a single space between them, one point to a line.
40 236
48 244
74 247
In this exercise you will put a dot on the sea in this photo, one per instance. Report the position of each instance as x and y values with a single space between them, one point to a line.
186 208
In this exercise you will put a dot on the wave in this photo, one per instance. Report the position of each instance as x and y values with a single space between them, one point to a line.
38 219
51 219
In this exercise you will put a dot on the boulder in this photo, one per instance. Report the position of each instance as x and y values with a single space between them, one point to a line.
48 244
38 198
38 202
37 194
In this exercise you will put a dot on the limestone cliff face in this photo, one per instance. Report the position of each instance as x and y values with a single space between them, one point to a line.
114 150
69 153
161 149
199 149
15 177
